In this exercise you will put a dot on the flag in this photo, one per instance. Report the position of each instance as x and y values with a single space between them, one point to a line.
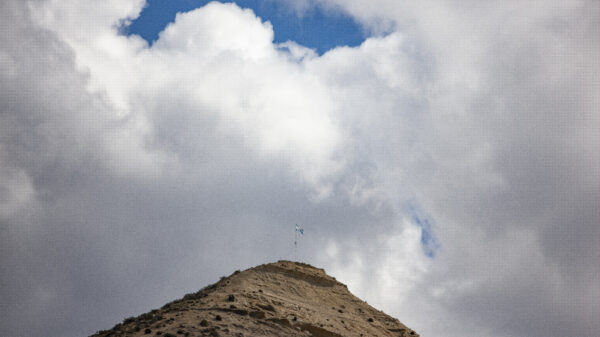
299 229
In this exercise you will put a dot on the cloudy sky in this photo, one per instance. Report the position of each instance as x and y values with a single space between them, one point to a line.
442 156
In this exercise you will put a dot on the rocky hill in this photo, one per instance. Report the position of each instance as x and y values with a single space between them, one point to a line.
278 299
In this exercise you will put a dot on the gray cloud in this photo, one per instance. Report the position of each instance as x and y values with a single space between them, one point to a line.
520 93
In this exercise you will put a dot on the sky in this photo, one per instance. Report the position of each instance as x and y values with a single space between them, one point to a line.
318 27
441 156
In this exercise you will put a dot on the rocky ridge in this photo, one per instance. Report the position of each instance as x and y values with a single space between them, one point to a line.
277 299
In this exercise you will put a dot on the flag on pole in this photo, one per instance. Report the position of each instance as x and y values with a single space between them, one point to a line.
301 231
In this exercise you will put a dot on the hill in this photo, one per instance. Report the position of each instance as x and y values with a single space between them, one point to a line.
277 299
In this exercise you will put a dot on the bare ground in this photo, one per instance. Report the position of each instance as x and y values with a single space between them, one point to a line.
278 299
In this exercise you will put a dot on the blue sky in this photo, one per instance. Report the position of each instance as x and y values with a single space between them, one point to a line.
318 28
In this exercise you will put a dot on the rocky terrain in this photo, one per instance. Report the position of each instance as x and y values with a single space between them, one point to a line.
278 299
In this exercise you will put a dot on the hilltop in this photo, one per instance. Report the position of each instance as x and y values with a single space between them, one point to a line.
277 299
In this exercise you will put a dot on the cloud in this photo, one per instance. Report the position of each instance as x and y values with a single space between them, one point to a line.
132 174
508 155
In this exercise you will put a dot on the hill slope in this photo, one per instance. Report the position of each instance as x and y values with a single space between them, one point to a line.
278 299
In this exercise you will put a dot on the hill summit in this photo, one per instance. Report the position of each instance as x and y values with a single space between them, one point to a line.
278 299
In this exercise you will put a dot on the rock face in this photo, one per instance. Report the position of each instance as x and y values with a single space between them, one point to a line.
278 299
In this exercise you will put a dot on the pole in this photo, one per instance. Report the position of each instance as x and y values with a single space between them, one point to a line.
295 245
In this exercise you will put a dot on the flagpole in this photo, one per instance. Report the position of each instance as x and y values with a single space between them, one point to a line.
295 244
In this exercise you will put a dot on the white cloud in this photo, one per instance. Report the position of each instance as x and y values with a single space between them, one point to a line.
220 60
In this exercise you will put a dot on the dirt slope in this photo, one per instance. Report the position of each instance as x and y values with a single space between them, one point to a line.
278 299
